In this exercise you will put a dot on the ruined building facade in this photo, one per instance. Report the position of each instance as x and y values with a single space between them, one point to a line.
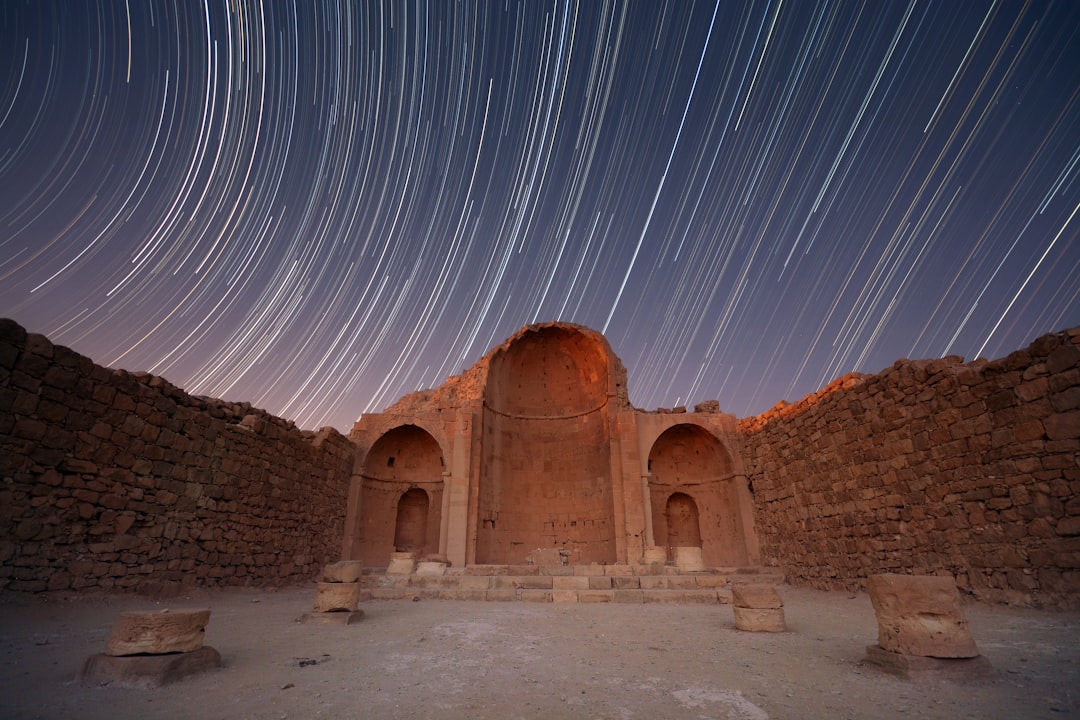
115 480
538 447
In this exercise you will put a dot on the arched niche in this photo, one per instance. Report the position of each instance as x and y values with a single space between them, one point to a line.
545 472
401 495
689 461
682 521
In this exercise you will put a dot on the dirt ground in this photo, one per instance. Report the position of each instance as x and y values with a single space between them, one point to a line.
445 659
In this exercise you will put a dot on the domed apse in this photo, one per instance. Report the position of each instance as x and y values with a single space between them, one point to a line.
401 496
545 475
693 497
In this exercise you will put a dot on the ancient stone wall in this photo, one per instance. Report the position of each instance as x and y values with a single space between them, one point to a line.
930 466
121 481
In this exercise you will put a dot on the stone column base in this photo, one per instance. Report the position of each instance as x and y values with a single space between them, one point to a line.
146 671
759 619
965 671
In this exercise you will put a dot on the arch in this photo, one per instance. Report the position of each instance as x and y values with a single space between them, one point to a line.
545 470
410 530
688 464
682 521
402 480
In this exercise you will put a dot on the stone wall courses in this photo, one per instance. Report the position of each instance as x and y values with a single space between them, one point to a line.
930 467
119 480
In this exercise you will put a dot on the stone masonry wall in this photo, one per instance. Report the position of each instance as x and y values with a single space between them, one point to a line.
115 480
930 466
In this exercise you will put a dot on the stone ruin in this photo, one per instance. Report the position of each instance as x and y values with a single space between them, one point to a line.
114 480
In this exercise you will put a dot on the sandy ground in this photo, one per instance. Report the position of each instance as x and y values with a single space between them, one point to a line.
444 659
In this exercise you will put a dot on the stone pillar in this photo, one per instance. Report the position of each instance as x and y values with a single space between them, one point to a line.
456 492
758 608
922 630
337 597
150 649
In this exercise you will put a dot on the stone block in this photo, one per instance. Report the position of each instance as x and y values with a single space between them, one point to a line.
536 595
618 570
756 596
600 582
157 633
759 619
146 671
401 563
965 671
596 596
501 595
430 567
655 556
626 583
346 571
680 597
332 618
711 581
628 596
570 582
920 615
564 596
688 559
336 597
462 594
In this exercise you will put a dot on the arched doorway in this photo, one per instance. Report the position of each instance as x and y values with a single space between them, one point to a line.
693 497
681 518
410 530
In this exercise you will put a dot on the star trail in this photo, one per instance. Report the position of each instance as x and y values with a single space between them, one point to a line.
319 207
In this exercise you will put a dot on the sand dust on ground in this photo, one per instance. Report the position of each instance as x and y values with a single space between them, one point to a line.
446 659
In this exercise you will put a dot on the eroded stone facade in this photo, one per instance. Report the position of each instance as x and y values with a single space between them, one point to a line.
537 447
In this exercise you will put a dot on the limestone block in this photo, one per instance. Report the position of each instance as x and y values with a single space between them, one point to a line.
920 615
759 619
157 633
756 596
401 563
336 597
548 556
430 567
346 571
688 559
146 671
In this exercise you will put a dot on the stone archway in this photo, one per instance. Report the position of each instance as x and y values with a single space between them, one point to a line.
410 530
690 466
400 496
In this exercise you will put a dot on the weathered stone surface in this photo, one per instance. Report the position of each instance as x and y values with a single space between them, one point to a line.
157 633
759 619
345 571
401 563
336 597
688 559
547 556
431 568
756 596
146 671
965 671
920 615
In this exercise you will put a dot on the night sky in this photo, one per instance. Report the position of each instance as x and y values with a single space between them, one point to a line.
318 209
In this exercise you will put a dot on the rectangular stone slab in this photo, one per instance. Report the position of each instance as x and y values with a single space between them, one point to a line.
759 619
336 597
146 671
157 633
756 596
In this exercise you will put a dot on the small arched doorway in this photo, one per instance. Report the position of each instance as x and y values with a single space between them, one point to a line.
410 530
683 525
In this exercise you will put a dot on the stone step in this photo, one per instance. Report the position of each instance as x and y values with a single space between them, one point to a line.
505 583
